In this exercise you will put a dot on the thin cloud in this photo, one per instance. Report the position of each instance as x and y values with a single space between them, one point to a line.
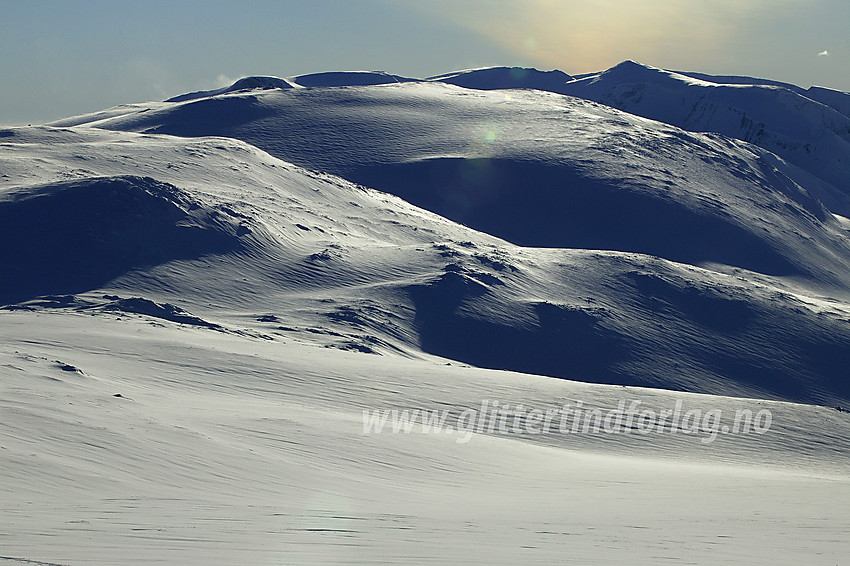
823 53
223 80
589 35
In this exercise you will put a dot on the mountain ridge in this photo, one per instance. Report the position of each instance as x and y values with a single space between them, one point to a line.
698 251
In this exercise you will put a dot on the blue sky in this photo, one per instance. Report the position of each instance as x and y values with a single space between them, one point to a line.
60 58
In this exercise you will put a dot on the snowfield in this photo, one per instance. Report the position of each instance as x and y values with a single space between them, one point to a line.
228 449
208 303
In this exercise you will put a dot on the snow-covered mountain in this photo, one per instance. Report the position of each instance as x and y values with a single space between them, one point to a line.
497 78
799 126
536 169
545 170
807 127
201 296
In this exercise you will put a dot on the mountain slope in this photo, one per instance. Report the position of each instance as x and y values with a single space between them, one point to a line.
799 126
807 127
835 99
539 170
312 256
73 236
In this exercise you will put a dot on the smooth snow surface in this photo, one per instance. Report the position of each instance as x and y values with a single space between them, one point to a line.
200 298
226 449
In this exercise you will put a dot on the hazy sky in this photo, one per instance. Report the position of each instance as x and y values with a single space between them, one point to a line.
63 57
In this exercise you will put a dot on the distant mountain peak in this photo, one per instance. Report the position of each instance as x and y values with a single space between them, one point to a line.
630 71
259 82
348 78
632 64
245 83
493 78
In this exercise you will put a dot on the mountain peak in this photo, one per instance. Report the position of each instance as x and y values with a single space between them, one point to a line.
493 78
348 78
259 82
245 83
632 71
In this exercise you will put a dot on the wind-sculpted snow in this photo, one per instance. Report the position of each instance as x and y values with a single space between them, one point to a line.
128 441
307 255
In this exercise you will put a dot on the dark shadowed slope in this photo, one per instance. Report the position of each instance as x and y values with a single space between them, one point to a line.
537 205
348 78
74 236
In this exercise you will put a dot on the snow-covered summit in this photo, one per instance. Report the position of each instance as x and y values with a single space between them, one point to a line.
348 78
493 78
327 79
243 84
807 127
538 169
535 169
671 223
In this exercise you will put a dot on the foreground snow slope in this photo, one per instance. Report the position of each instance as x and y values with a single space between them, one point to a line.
132 440
262 244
